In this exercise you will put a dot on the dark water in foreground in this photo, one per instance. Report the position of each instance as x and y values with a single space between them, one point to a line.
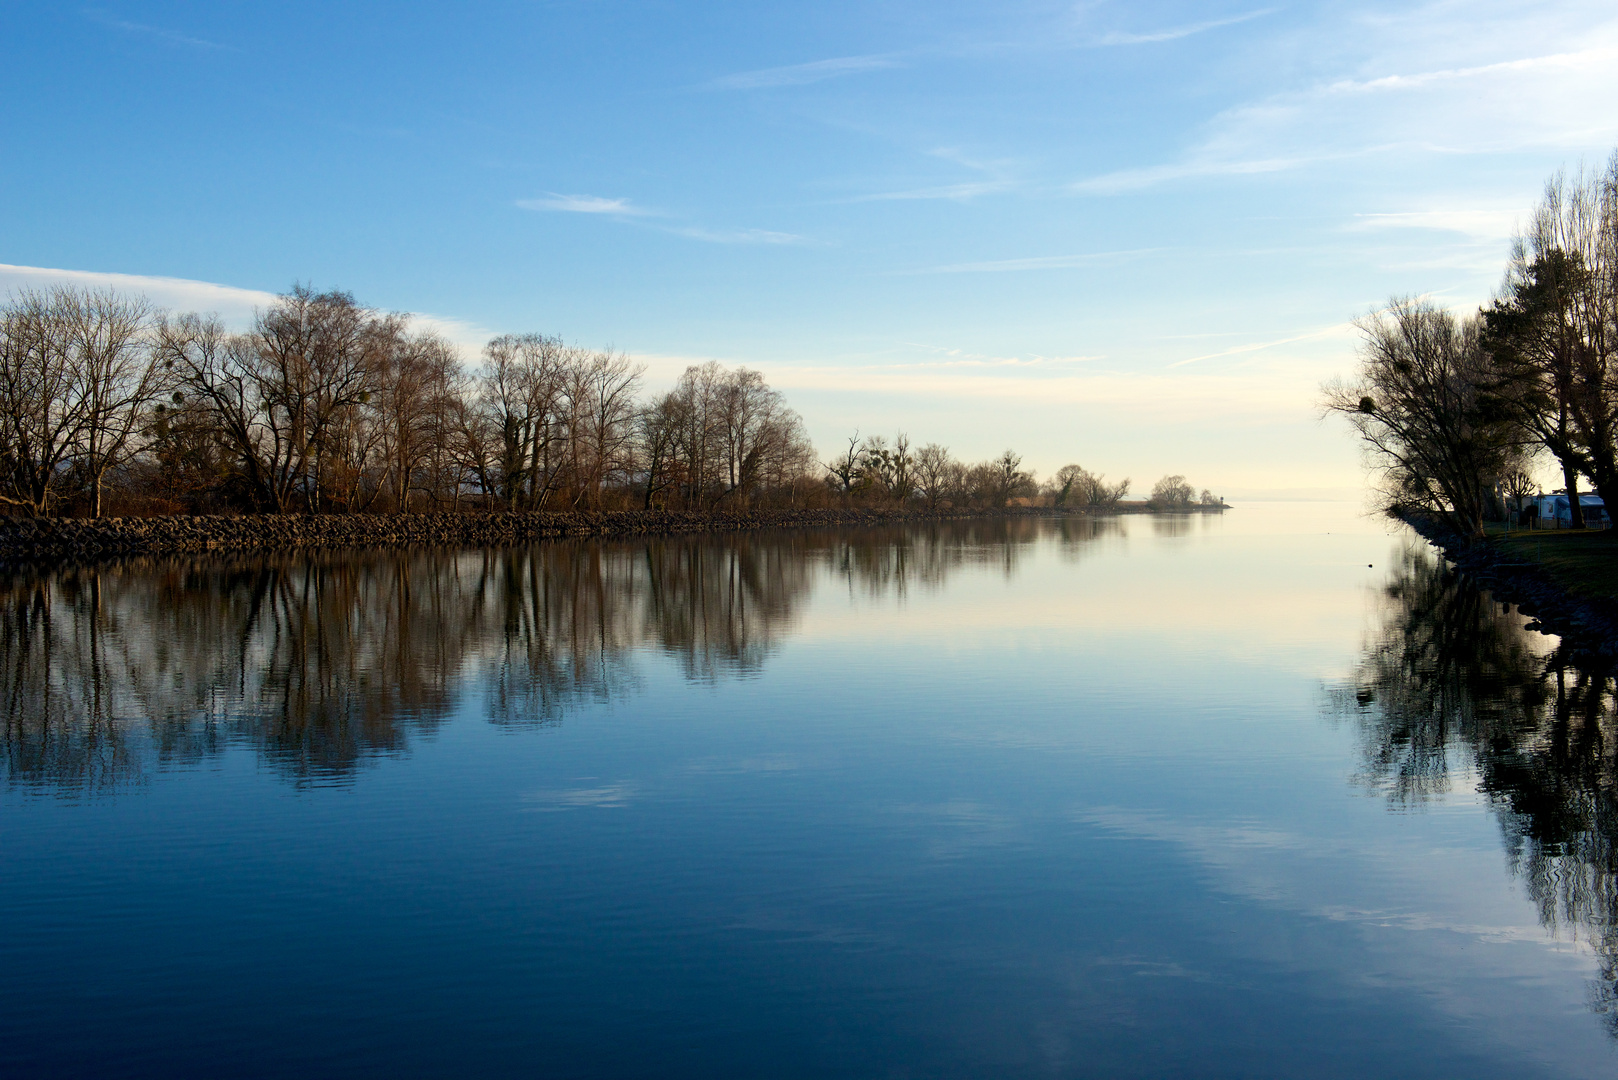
1203 797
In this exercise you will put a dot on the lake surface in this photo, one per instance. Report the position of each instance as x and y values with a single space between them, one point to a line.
1194 796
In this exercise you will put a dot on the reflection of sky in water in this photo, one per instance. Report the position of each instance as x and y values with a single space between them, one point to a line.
966 802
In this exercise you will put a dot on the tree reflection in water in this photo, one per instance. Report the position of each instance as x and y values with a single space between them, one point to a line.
1454 684
889 560
324 661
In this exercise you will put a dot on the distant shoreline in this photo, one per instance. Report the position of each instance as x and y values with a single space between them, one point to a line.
32 540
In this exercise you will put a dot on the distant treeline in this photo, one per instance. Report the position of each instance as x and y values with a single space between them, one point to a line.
1455 412
326 406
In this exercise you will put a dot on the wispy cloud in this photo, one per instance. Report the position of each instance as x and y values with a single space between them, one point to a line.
1038 262
229 301
232 304
624 210
1133 179
1567 61
172 37
998 175
989 362
1482 224
802 74
586 204
1554 94
731 236
1335 330
1177 32
957 192
1280 393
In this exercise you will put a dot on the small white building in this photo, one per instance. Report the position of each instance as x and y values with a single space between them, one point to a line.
1555 513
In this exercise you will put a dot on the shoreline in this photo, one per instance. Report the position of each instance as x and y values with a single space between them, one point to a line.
1587 625
43 540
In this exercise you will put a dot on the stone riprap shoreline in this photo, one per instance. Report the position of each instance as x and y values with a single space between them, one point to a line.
55 539
1588 626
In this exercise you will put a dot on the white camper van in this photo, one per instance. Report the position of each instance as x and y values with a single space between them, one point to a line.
1555 513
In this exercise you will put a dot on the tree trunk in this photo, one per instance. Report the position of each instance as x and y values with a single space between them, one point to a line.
1570 481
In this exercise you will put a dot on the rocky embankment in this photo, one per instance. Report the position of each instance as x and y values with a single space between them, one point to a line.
51 539
1589 626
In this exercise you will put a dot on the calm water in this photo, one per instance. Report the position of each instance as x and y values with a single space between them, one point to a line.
1195 797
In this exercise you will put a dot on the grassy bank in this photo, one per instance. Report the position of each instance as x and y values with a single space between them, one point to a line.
1582 562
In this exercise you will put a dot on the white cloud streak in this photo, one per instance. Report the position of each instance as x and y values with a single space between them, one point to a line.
1482 224
1568 61
1039 262
803 74
1175 33
624 210
956 358
956 192
1281 390
1557 96
234 305
997 176
1133 179
730 236
228 301
585 204
1336 330
171 37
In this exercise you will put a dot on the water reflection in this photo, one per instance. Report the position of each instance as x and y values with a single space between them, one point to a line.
1454 687
890 560
324 661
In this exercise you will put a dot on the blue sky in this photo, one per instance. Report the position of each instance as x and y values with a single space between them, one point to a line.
1129 235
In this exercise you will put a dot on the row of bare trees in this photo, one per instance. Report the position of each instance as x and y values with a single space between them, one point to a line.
930 476
875 470
1455 410
76 379
324 405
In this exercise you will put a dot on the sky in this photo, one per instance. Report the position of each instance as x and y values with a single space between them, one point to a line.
1128 235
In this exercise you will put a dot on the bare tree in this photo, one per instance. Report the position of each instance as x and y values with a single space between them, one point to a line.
658 429
117 375
1428 407
1092 490
1570 243
1007 476
1528 332
897 468
1172 493
724 436
1517 486
218 385
875 477
932 471
283 394
41 407
1551 329
519 396
1062 484
601 399
843 472
701 395
311 356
